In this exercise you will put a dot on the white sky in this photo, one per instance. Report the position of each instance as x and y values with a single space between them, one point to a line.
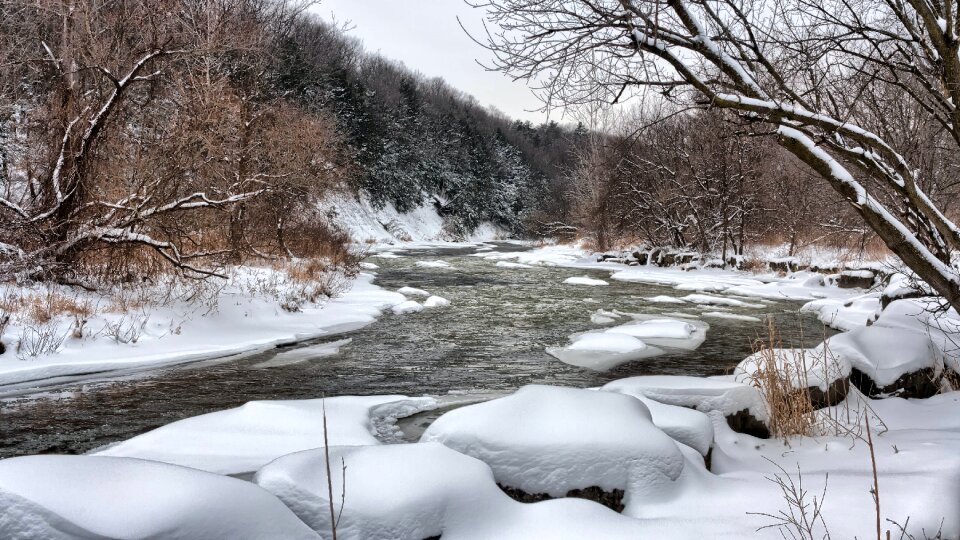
425 36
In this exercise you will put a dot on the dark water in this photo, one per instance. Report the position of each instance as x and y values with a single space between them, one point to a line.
491 339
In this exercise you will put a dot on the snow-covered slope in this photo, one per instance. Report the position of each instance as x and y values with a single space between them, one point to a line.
367 224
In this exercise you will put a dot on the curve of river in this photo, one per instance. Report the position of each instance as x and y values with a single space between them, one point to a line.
490 340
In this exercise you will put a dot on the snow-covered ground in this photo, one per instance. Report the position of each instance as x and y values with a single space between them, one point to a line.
239 318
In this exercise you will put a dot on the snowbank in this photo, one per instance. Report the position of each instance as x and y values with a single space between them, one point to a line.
242 320
54 497
246 438
545 439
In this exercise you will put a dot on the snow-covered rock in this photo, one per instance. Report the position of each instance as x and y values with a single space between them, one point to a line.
688 426
703 394
706 299
436 301
60 497
817 367
246 438
408 306
545 439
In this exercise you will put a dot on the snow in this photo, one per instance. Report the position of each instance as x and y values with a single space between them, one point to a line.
55 497
246 438
408 306
368 265
241 320
907 336
665 300
602 316
434 264
546 439
366 223
584 280
416 491
703 394
665 332
707 299
601 351
688 426
412 291
845 314
436 301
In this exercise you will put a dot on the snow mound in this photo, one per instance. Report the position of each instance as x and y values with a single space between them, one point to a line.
246 438
409 306
546 439
104 497
688 426
434 264
705 395
601 350
436 301
817 367
395 491
416 491
584 280
847 314
412 291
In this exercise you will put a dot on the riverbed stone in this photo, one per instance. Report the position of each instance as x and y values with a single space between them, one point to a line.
920 384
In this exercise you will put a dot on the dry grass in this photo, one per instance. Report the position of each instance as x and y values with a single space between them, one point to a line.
781 376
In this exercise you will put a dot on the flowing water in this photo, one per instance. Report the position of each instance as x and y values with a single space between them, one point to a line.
490 340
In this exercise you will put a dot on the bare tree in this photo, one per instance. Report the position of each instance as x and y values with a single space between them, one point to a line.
822 75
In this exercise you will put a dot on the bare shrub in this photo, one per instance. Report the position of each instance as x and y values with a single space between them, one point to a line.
40 339
804 512
126 330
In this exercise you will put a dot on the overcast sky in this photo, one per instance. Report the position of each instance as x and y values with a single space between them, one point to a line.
425 35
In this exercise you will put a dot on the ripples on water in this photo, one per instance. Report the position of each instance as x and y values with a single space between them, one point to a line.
491 339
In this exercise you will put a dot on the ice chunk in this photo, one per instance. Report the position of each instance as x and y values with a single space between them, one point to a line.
719 301
412 291
507 264
434 264
665 300
663 332
601 350
302 354
368 266
584 280
731 316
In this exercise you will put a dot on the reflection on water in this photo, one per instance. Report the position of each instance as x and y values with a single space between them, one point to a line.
491 339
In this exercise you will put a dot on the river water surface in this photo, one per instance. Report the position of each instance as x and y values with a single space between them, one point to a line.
490 340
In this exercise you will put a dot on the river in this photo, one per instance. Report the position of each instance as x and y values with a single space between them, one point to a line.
490 340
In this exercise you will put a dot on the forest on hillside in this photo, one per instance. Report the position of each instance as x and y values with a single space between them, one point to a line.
209 137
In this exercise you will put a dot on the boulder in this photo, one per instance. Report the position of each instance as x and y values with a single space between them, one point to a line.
918 384
856 279
641 256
